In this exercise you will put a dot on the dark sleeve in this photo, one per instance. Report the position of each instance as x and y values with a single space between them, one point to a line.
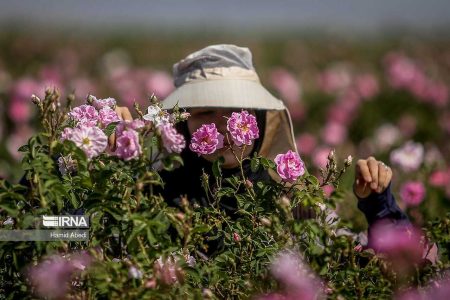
381 206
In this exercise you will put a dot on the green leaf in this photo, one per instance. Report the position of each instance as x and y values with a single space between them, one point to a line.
24 148
216 168
110 128
254 164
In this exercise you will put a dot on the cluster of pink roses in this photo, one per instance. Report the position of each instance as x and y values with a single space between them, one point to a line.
89 136
243 130
404 73
242 127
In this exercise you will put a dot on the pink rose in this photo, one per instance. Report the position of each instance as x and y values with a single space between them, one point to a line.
85 115
102 103
206 139
107 116
128 146
289 166
440 178
172 140
127 124
412 193
243 128
91 140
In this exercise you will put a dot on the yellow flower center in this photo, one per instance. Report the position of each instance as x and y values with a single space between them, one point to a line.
86 141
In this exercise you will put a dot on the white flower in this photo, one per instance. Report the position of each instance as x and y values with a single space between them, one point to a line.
156 115
409 157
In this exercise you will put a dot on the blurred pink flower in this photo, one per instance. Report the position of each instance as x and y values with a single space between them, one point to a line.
51 277
385 136
320 156
85 115
402 245
206 139
127 145
289 166
366 85
160 83
236 237
335 79
295 275
82 87
437 93
409 157
91 140
107 116
18 138
243 128
306 143
102 103
19 111
127 125
172 140
402 71
412 193
337 113
328 190
286 85
167 270
23 89
440 178
334 133
435 290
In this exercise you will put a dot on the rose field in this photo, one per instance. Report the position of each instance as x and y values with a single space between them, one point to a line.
348 98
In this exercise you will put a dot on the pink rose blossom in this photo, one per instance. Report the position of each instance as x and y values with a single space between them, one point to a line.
385 136
335 79
286 84
85 115
19 111
206 139
128 146
296 276
306 143
289 166
107 116
127 124
409 157
440 178
320 156
334 133
102 103
401 245
243 128
366 85
66 134
412 193
51 277
160 83
167 270
172 140
91 140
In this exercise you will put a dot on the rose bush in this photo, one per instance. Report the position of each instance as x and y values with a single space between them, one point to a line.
141 248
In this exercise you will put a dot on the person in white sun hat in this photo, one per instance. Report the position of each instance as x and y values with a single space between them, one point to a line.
220 79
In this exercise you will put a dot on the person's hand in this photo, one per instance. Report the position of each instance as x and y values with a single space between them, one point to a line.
124 114
371 176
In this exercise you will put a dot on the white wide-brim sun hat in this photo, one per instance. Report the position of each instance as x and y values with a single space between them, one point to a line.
219 76
223 76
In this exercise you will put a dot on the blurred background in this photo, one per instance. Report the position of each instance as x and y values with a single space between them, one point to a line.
362 77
